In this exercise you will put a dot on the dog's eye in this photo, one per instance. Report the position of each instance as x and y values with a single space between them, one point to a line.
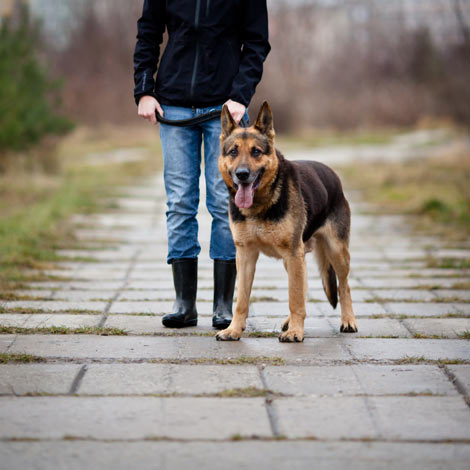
256 152
233 152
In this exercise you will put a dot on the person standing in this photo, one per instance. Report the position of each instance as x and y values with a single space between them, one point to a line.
214 56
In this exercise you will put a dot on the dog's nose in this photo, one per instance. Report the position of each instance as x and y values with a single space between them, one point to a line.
242 173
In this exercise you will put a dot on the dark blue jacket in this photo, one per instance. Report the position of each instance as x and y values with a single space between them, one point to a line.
215 51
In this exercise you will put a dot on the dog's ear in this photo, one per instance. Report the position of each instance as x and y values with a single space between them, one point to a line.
264 121
227 122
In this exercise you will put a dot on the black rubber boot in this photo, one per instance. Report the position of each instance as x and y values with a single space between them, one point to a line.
225 273
185 281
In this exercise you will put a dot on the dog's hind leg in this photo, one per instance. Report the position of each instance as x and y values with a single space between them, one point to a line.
337 252
246 265
293 327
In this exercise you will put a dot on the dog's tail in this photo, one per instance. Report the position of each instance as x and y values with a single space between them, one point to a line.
327 273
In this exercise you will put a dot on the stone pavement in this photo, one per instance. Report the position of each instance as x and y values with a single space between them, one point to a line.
123 392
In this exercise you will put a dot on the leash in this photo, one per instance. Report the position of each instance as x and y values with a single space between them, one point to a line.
194 121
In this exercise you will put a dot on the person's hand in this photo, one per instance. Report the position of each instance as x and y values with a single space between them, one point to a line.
237 110
147 107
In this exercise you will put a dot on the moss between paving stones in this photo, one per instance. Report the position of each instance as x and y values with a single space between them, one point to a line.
32 311
62 330
6 358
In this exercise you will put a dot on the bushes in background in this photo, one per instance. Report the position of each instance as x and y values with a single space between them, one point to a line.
29 99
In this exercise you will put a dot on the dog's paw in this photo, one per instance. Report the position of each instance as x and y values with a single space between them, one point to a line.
348 326
229 334
291 336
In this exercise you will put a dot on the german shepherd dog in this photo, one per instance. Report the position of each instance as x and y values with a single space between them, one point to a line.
283 209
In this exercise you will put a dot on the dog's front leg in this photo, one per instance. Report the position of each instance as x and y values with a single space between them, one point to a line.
297 272
246 264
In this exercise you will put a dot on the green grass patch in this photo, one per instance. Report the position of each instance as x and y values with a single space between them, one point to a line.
63 330
35 206
434 191
19 358
448 263
465 334
247 392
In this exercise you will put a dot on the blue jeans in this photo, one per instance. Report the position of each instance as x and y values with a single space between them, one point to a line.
182 168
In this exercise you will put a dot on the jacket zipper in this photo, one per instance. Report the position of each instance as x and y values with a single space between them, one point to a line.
196 58
208 7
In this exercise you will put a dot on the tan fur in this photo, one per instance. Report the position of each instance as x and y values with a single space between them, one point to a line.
280 239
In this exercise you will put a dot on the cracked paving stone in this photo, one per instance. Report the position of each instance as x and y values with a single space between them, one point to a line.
24 379
462 372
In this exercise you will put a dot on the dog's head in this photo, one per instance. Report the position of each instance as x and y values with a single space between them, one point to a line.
248 161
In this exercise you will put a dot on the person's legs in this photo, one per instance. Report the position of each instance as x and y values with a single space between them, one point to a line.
182 160
182 167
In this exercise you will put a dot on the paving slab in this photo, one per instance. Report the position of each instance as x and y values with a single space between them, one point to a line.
410 295
379 349
142 379
55 305
454 294
358 379
445 327
325 418
409 282
422 418
179 348
462 372
423 309
37 379
131 418
243 455
388 327
46 320
401 418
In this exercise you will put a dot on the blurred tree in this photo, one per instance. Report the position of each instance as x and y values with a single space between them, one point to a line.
28 97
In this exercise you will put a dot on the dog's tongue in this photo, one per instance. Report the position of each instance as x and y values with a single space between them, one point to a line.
244 196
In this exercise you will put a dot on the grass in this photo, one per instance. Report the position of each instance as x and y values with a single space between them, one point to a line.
465 334
247 392
35 205
63 330
448 263
19 358
434 191
241 360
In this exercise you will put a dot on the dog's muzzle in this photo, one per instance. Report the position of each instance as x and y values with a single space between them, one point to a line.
245 183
